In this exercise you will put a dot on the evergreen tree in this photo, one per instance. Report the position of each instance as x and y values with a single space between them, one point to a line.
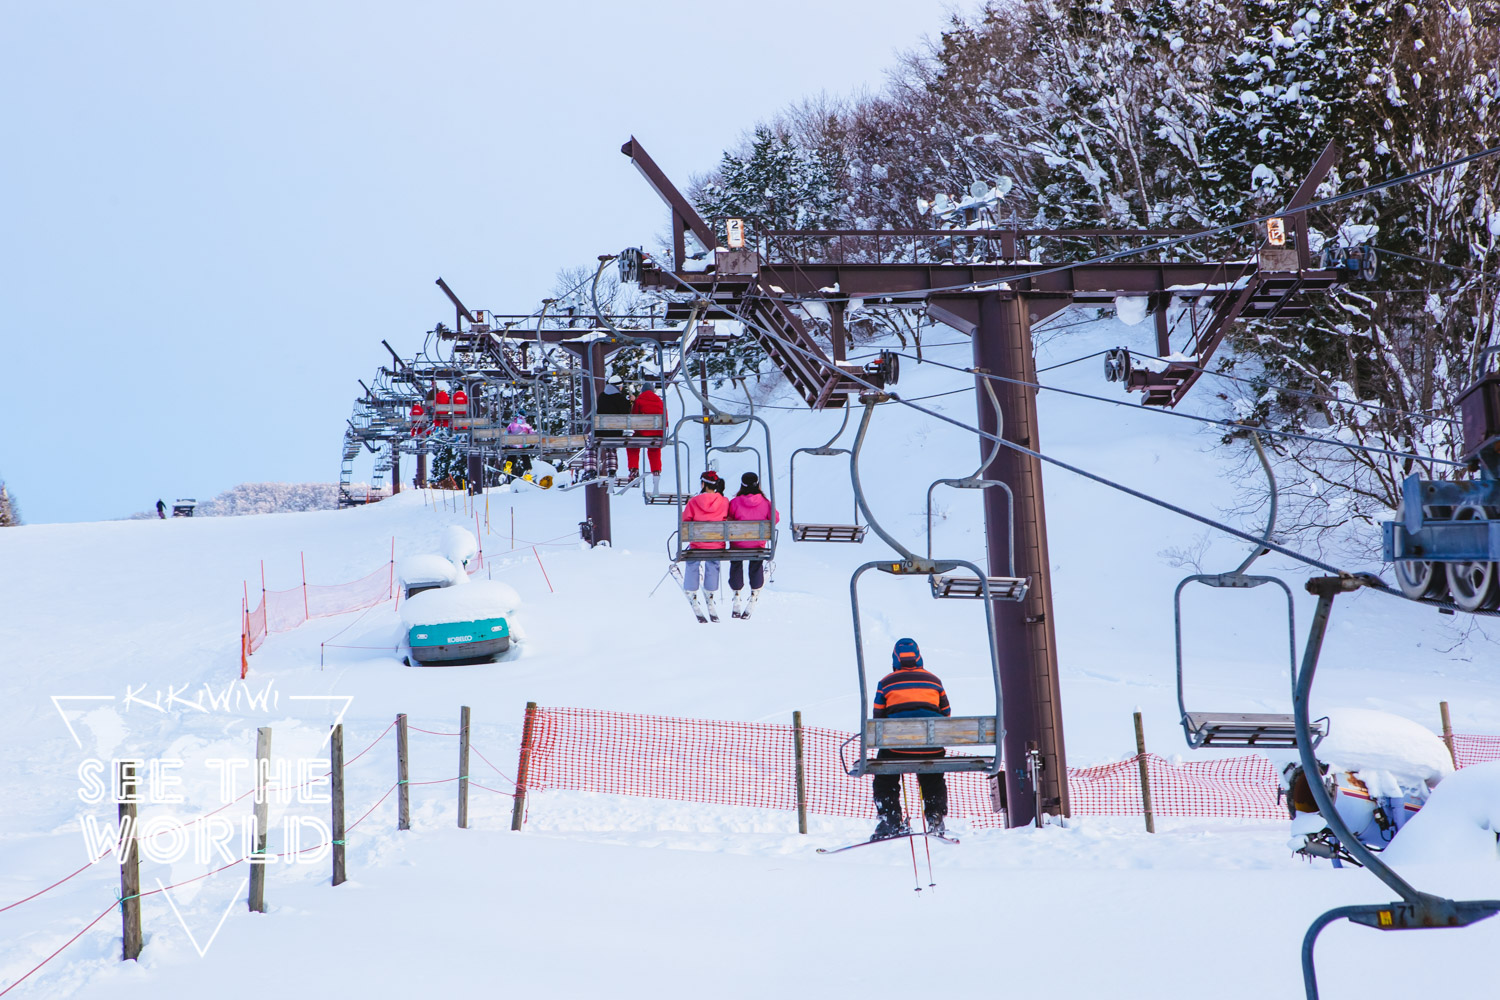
10 514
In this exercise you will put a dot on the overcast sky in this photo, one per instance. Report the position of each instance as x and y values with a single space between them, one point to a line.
212 213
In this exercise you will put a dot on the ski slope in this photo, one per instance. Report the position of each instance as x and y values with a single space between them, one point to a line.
637 897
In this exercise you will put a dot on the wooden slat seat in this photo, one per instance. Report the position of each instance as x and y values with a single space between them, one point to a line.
532 442
829 532
1002 588
630 422
1244 729
724 532
932 731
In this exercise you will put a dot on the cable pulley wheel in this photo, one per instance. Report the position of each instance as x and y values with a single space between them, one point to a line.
1475 585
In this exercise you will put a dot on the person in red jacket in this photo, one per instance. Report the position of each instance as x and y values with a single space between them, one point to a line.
708 505
647 401
749 504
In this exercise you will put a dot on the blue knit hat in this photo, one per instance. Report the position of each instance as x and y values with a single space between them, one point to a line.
906 654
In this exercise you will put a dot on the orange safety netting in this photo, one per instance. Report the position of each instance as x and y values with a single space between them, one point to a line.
1469 749
753 764
282 610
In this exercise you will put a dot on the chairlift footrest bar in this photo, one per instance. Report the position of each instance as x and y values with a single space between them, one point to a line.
929 765
672 499
1242 729
829 532
1002 588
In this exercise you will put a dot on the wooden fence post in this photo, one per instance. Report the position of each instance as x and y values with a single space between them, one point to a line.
257 899
336 797
130 864
523 765
403 788
463 768
1448 732
1140 755
801 772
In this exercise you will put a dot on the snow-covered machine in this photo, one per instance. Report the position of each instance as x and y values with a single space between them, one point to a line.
184 507
468 624
428 571
1378 770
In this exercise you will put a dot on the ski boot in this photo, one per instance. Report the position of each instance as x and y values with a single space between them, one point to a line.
935 825
713 612
737 609
886 829
750 603
656 482
692 596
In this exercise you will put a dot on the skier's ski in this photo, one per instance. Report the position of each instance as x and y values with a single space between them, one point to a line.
749 604
627 484
713 611
881 840
692 598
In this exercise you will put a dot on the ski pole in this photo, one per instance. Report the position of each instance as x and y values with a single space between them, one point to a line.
660 582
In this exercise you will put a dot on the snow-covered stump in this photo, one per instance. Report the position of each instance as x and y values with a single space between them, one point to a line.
130 866
336 800
257 900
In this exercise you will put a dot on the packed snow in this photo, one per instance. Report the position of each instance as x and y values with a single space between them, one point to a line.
138 623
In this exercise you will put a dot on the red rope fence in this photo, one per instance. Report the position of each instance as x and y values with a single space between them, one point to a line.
752 764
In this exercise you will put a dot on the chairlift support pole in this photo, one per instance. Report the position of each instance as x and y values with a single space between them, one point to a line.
596 495
1025 631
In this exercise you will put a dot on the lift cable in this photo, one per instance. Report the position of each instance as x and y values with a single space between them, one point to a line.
1371 581
1427 415
1217 421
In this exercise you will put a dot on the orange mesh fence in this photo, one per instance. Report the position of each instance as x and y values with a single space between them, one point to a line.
752 764
1469 750
283 610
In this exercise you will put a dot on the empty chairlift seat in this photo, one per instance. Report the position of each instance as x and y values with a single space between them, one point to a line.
1245 729
808 531
960 585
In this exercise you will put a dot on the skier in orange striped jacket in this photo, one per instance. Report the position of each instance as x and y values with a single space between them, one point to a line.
909 692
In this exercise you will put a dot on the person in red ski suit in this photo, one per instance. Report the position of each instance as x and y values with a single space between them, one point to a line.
647 401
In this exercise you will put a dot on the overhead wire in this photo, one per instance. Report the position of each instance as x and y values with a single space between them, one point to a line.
1217 421
1371 581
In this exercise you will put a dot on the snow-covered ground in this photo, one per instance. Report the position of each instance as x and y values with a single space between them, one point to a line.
638 897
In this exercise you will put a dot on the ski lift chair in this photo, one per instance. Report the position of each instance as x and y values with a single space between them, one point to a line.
723 531
1000 588
1244 729
810 532
971 733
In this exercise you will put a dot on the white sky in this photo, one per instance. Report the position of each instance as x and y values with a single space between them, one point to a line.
212 213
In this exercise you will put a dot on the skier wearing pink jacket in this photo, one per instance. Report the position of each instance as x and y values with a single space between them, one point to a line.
749 504
709 505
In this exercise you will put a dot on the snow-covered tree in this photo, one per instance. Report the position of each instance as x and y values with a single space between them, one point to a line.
10 514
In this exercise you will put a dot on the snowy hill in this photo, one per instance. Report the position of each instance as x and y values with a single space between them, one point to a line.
640 897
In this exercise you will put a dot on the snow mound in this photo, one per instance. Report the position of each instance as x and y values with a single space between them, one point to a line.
1368 742
459 545
429 568
1457 825
480 599
1131 309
